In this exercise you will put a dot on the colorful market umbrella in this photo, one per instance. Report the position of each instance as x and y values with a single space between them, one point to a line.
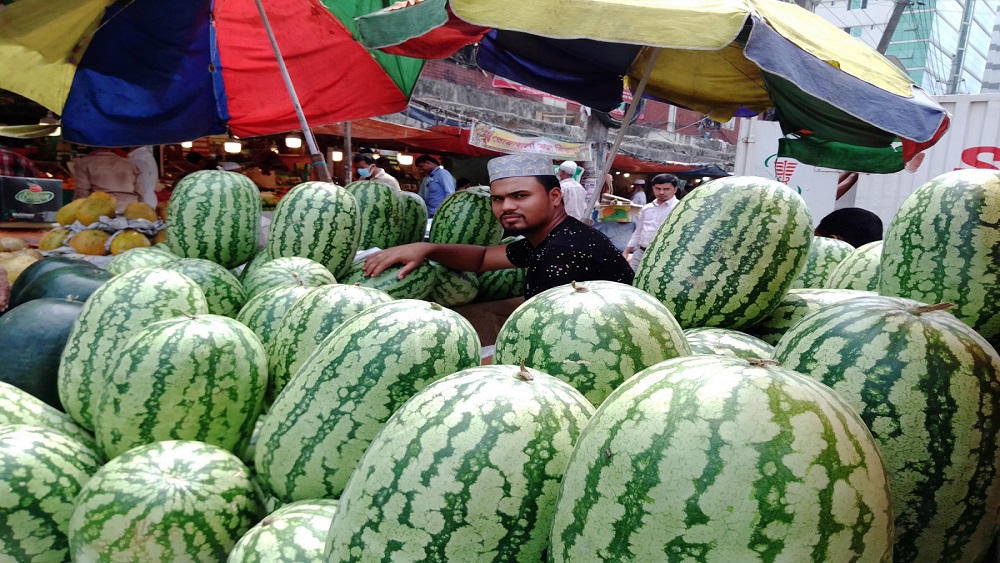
839 102
141 72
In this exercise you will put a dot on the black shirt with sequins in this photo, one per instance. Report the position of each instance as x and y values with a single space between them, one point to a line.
572 252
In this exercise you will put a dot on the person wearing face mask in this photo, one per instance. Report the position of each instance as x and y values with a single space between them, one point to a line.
365 168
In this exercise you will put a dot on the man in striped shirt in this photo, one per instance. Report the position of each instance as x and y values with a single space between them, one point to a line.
13 164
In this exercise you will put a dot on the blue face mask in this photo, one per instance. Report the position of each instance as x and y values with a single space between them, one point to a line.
364 173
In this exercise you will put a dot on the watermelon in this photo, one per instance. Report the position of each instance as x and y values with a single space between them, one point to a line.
825 254
859 270
497 285
244 271
307 323
73 283
467 470
18 407
927 386
943 245
42 471
223 291
796 304
416 285
263 313
326 416
712 458
286 272
168 501
33 336
728 252
319 221
414 218
725 342
108 319
143 257
294 532
188 378
214 215
466 217
381 214
453 287
40 267
592 335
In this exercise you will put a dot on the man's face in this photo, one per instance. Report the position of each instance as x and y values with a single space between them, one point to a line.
522 204
663 192
426 167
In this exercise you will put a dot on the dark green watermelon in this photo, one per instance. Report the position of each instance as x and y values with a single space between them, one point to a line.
32 272
74 283
33 336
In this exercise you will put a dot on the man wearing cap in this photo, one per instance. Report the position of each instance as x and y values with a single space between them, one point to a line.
573 193
638 196
652 216
527 199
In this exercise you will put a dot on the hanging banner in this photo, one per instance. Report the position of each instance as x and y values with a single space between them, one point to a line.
487 136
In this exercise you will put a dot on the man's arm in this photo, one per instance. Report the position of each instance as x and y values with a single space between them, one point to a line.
464 257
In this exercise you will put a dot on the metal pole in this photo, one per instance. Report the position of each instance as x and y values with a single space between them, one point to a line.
318 161
596 195
348 165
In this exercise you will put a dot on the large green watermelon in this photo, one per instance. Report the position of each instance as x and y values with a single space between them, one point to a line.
825 254
18 407
294 532
331 409
728 252
593 335
215 215
287 271
467 470
859 270
319 221
188 378
943 245
711 458
928 388
466 217
381 214
168 501
414 222
223 291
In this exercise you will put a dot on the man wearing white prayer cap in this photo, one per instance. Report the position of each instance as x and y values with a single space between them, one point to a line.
527 199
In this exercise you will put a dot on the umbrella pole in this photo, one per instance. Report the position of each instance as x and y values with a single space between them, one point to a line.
348 151
318 161
594 197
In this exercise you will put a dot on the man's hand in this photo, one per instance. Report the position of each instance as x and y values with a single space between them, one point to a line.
409 255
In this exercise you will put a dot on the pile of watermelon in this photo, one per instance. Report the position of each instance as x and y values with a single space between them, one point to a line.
758 394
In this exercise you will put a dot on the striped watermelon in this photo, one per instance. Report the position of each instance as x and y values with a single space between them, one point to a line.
592 335
943 245
189 378
825 254
381 214
223 291
467 470
414 218
497 285
286 272
319 221
307 323
466 217
796 304
453 287
215 215
321 423
168 501
294 532
143 257
710 458
859 270
19 407
263 313
928 388
725 342
41 472
118 309
416 285
728 252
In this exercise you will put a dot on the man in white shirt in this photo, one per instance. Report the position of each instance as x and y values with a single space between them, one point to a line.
573 192
366 169
638 195
652 215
